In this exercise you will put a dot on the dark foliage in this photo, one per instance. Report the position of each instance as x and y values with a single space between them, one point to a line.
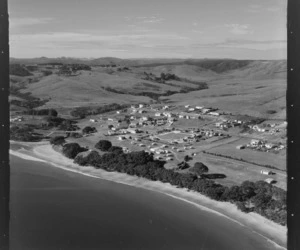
57 140
18 70
266 200
82 112
48 112
103 145
24 133
71 150
199 168
89 130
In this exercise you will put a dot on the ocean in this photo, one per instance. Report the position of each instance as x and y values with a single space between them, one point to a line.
56 209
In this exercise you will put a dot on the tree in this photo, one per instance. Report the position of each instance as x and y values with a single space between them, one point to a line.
199 168
89 130
103 145
71 150
57 140
187 158
115 149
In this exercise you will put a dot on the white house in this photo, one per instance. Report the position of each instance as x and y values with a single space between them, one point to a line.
157 114
270 180
199 107
187 106
214 113
191 109
265 172
141 105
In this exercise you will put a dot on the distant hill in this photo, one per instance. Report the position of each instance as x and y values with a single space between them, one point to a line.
249 86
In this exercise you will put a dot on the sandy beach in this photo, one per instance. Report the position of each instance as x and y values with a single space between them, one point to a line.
44 152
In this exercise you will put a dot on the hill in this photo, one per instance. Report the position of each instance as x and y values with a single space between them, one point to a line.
241 86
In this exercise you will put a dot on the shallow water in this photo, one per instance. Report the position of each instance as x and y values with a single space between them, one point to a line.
56 209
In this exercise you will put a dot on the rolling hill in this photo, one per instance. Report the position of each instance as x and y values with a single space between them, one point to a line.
237 86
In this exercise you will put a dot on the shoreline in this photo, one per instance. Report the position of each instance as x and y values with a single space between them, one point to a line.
272 232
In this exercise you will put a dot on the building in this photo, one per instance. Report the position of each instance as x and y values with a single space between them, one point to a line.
255 142
199 107
265 172
270 181
93 120
187 106
158 114
141 105
269 145
214 113
205 110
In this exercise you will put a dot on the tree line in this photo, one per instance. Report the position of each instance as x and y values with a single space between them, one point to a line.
260 197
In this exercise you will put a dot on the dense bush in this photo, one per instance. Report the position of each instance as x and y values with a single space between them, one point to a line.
199 168
260 197
82 112
24 133
71 150
103 145
48 112
89 130
18 70
115 149
57 140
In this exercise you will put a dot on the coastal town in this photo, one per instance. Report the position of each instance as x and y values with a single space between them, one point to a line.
183 135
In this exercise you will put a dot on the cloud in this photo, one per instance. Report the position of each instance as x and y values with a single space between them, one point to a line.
259 8
28 21
145 19
259 45
89 41
238 29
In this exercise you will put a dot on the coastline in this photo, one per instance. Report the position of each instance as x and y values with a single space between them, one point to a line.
271 231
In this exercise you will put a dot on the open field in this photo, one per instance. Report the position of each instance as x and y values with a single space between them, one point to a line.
262 158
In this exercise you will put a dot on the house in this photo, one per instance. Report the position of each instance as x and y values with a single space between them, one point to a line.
214 113
121 138
265 172
199 107
270 181
93 120
157 114
144 118
169 159
132 130
269 145
187 106
205 110
141 105
181 116
255 142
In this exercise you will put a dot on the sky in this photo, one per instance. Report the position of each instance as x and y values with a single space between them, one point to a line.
239 29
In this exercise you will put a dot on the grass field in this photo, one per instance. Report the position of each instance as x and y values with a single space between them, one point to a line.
263 158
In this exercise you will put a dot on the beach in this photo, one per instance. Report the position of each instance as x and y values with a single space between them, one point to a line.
274 234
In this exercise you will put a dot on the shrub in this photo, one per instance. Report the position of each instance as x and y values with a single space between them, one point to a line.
89 130
199 168
103 145
71 150
57 140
